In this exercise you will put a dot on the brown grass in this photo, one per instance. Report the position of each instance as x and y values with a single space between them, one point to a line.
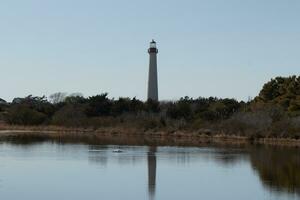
132 136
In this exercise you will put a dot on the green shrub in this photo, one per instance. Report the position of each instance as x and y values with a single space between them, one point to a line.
70 115
23 115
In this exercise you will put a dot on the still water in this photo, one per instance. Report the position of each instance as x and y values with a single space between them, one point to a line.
51 171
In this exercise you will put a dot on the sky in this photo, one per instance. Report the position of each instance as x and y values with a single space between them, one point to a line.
220 48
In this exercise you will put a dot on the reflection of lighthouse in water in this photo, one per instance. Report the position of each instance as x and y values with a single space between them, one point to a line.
151 171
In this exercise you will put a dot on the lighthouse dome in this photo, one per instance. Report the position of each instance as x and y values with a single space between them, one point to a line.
152 44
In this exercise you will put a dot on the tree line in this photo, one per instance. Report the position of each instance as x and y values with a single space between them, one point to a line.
278 101
33 110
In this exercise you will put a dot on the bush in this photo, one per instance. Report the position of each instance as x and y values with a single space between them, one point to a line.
23 115
70 115
246 123
179 110
99 105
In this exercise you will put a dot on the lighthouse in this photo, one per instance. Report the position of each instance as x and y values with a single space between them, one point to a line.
152 81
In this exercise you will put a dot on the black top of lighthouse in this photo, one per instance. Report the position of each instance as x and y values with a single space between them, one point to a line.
152 48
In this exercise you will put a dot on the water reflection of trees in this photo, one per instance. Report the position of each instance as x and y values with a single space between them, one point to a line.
230 156
277 168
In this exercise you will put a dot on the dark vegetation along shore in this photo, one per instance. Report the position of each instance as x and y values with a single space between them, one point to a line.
273 114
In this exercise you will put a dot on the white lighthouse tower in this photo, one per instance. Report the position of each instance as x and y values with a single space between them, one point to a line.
152 81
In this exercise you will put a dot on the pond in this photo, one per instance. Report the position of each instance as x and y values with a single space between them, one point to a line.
49 170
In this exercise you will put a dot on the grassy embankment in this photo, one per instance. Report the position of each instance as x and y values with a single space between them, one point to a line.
131 136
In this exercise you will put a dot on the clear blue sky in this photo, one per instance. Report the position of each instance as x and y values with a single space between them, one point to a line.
223 48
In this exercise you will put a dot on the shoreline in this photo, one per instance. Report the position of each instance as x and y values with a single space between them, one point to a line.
132 136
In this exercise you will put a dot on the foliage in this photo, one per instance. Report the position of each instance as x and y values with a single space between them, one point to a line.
99 105
273 112
210 109
70 115
180 109
284 92
24 115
